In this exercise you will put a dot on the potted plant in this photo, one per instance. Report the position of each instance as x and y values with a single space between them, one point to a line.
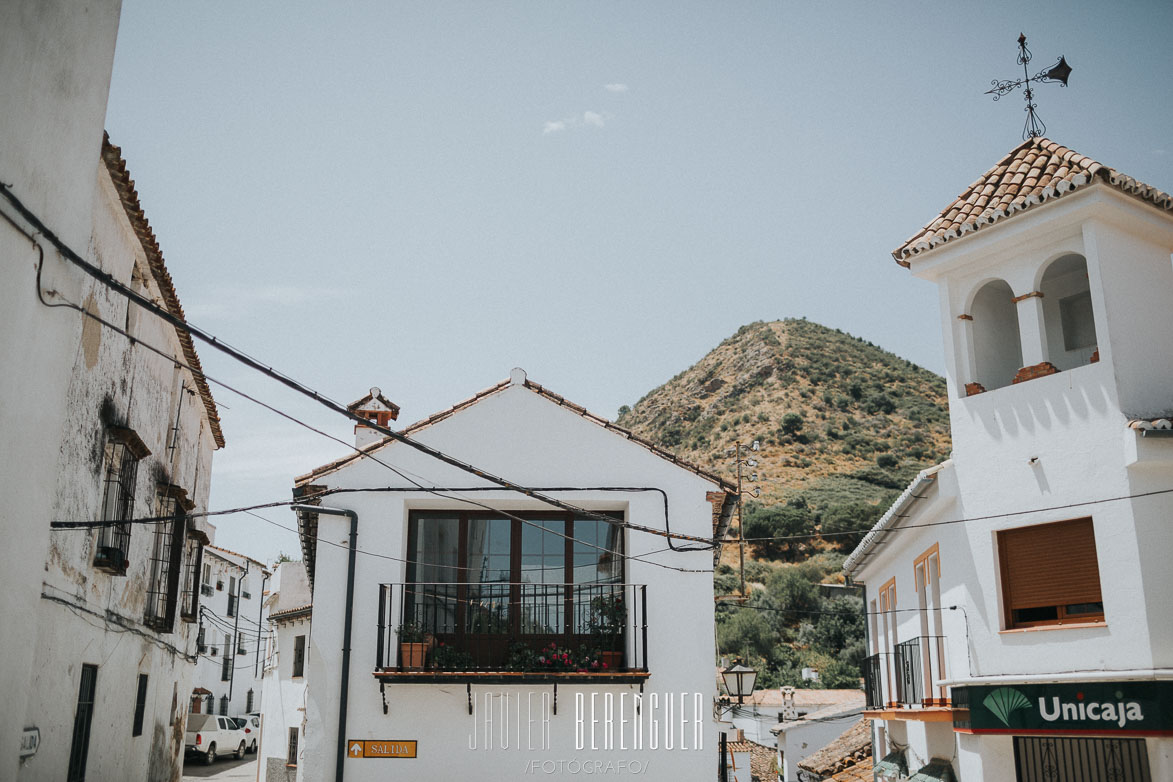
447 657
608 620
413 646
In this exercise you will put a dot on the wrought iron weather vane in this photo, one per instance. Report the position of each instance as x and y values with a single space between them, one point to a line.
1059 72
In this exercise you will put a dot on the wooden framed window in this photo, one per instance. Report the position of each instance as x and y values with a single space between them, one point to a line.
124 450
1050 574
166 558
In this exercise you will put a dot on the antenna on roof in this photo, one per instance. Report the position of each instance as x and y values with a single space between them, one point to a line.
1059 72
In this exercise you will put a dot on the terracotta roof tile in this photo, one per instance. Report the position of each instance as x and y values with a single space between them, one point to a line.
264 567
1035 171
851 749
116 166
1150 423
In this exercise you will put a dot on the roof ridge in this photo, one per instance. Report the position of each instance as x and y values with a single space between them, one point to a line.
542 391
236 554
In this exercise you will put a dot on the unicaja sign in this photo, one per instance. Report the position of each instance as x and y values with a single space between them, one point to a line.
1120 712
1092 707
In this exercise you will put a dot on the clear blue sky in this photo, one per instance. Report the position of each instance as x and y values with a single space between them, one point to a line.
421 196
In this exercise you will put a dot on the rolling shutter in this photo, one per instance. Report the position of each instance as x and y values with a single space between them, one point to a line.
1050 565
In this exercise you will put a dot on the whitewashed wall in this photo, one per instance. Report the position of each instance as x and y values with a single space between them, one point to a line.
56 64
89 616
523 436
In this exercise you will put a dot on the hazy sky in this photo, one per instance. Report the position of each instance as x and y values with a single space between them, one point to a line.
421 196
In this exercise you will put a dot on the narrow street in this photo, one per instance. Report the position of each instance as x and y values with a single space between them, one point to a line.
223 770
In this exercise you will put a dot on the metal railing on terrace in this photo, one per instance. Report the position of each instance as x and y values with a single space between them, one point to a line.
498 626
919 662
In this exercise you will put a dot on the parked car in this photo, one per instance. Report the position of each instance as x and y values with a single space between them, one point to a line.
211 735
251 725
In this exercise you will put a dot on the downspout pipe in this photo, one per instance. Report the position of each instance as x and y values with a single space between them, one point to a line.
344 688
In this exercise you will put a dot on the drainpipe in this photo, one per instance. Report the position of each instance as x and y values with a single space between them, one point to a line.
344 689
260 626
235 635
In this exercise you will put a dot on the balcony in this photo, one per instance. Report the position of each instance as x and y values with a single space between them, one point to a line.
900 685
503 632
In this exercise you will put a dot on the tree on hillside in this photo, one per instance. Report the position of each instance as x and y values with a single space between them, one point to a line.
840 520
777 521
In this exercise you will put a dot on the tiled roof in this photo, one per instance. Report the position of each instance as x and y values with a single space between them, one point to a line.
374 395
804 698
292 613
860 772
541 391
850 749
263 566
762 759
1035 171
1150 423
116 166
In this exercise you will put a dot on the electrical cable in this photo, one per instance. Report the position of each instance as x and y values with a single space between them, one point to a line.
110 282
154 520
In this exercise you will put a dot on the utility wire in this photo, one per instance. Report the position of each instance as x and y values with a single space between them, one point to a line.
421 487
988 517
110 282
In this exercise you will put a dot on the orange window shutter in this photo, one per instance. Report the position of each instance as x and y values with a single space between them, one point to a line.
1050 564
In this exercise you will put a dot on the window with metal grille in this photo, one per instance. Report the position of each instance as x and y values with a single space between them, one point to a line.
223 705
79 750
201 644
140 705
240 644
232 595
248 702
299 655
189 597
1050 574
226 660
123 451
291 758
166 559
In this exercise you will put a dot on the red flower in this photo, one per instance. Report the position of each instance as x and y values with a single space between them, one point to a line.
604 665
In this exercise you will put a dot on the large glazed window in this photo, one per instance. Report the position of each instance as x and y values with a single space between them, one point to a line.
1067 311
996 341
498 580
1050 574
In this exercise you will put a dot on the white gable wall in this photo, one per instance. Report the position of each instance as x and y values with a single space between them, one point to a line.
517 434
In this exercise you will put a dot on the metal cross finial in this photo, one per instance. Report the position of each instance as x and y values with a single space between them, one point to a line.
1059 72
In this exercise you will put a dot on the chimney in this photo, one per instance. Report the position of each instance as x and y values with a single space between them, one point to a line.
375 408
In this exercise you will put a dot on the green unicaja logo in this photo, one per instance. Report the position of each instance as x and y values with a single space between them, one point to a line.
1004 701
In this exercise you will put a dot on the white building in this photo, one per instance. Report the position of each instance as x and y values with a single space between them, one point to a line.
56 67
1018 592
115 620
233 629
489 579
283 696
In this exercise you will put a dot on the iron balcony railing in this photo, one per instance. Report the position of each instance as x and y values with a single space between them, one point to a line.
510 626
919 662
873 681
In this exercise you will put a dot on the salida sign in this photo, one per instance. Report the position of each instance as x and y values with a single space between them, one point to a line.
1085 707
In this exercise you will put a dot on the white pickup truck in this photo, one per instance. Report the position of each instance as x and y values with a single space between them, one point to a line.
210 735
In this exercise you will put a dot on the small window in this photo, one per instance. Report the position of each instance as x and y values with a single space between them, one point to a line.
79 749
248 703
299 655
232 595
123 451
226 660
291 758
224 710
140 705
1050 574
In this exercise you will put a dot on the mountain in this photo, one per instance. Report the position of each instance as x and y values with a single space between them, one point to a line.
840 421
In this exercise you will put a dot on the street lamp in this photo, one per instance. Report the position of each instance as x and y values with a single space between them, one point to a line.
739 681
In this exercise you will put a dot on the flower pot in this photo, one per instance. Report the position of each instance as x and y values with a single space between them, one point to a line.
411 656
613 660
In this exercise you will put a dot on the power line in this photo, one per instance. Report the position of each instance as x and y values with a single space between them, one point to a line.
110 282
1007 514
440 493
